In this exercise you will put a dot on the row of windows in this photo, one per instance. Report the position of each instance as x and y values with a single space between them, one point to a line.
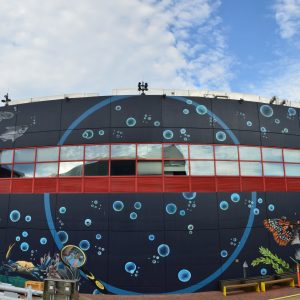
149 159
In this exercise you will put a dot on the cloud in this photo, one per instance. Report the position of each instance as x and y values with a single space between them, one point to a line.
287 15
94 46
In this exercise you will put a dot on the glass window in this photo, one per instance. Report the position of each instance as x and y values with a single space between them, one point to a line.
175 167
271 169
292 170
123 151
47 154
250 153
46 169
226 152
71 153
24 155
149 167
5 171
96 168
251 168
291 155
151 151
227 168
272 154
176 151
73 168
122 167
201 152
23 170
202 168
6 156
97 152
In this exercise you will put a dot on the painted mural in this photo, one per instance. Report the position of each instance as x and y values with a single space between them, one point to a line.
148 242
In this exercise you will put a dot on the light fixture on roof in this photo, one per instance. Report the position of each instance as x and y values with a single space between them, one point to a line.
142 87
273 99
6 100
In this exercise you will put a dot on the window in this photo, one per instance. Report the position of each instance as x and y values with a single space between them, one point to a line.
96 168
292 170
251 168
149 168
123 151
5 171
71 153
73 168
122 167
291 155
175 167
201 152
97 152
176 152
227 168
23 170
47 154
226 152
6 156
272 154
250 153
24 155
149 151
202 168
46 169
273 169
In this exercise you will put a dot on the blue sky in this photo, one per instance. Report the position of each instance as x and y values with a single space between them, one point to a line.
249 46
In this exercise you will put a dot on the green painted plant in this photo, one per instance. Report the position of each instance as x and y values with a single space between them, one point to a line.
268 258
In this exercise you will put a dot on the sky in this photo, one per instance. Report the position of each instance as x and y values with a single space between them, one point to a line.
80 46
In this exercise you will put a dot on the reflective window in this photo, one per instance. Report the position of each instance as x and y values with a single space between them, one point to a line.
225 168
71 153
226 152
123 151
47 154
176 151
201 152
251 168
271 169
149 167
5 171
96 168
291 155
97 152
25 155
23 170
202 168
151 151
6 156
292 170
46 169
175 167
272 154
122 167
73 168
250 153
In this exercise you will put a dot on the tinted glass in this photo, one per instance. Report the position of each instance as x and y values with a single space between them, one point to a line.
149 151
202 168
73 168
272 154
5 171
123 151
271 169
176 151
71 153
175 167
201 152
291 155
23 170
251 168
122 167
46 169
149 168
47 154
226 152
97 152
6 156
96 168
249 153
227 168
24 155
292 170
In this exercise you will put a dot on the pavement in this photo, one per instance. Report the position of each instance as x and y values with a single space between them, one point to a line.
276 293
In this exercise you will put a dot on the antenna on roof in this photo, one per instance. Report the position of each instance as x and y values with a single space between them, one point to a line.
273 99
142 87
6 100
